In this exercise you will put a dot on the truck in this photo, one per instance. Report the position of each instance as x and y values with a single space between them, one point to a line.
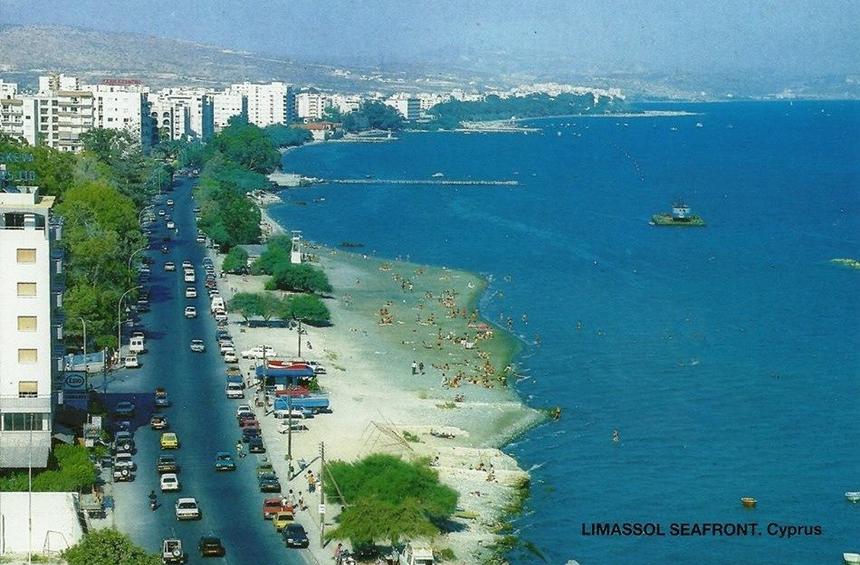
313 403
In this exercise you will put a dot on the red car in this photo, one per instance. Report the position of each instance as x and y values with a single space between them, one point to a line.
249 423
272 506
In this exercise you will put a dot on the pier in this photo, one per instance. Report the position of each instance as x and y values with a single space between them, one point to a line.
439 182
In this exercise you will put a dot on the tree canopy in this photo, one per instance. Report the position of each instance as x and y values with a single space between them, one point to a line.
298 278
373 115
108 547
236 261
287 136
247 145
387 499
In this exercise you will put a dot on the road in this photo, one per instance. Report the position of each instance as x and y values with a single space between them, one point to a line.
200 413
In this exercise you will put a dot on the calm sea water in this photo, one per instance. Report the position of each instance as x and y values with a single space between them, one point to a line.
726 357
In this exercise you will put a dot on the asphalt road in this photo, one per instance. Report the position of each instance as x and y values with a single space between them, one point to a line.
200 414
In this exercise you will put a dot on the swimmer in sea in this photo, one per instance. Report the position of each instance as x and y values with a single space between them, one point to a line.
616 437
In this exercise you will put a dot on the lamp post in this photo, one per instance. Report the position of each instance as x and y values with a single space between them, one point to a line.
119 320
135 253
140 214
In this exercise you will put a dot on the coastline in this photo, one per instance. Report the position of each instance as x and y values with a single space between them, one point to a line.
377 402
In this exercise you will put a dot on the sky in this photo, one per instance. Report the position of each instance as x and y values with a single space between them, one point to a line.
796 37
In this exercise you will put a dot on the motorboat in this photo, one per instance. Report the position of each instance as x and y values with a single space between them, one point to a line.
851 558
749 502
852 496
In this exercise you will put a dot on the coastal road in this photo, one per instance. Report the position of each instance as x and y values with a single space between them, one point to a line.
200 414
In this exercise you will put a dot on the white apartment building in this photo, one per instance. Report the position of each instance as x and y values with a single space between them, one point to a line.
123 107
29 296
408 106
12 117
311 105
183 113
58 118
267 103
345 103
55 82
227 104
8 89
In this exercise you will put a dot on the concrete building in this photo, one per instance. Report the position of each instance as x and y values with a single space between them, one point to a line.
60 117
408 106
30 297
54 82
227 104
123 107
12 117
267 104
311 105
8 89
346 103
182 113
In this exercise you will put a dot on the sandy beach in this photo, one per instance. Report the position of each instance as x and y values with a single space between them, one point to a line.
385 316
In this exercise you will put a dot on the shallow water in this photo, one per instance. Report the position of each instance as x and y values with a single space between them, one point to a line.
726 357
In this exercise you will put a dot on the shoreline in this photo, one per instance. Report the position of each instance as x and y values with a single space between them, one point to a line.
377 403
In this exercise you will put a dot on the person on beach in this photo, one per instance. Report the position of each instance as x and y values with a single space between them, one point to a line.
421 367
337 553
414 368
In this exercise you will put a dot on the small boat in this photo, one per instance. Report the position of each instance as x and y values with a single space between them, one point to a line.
853 496
438 175
851 558
749 502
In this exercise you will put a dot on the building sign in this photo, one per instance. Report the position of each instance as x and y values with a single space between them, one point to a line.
74 381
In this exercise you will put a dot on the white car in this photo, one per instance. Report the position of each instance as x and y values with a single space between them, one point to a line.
258 352
190 292
201 239
234 390
188 276
226 347
198 346
284 426
220 316
169 481
187 509
124 461
243 409
131 362
171 225
230 357
161 212
190 312
170 266
187 264
170 202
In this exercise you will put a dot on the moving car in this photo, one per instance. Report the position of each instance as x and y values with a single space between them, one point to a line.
169 482
187 264
170 266
210 547
172 552
158 422
188 276
169 440
234 390
171 225
123 442
198 346
161 400
131 362
295 536
166 464
224 462
187 509
190 312
190 292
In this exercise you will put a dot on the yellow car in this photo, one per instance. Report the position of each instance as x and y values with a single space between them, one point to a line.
281 520
169 440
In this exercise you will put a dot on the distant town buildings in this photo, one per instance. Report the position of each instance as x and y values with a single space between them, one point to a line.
408 105
267 104
226 105
311 105
183 113
30 297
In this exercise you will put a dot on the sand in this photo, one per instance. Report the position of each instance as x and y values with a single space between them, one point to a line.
375 398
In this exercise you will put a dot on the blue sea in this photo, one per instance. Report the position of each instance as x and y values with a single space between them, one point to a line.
727 357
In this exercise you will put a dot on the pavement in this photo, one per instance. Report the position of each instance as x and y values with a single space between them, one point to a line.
201 415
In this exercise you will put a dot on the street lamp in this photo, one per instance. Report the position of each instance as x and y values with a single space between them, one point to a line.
119 320
135 253
140 214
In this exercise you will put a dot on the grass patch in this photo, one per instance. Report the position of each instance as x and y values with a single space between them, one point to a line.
447 405
409 436
446 554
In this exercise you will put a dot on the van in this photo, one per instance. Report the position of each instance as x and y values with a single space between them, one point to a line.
217 304
189 276
235 390
136 345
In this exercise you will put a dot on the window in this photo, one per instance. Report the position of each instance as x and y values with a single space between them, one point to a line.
28 356
26 323
26 289
21 422
28 389
26 255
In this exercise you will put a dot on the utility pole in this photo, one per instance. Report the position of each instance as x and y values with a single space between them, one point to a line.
290 430
300 338
322 494
104 371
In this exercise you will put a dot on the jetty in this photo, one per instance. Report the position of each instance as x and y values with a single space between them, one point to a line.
437 181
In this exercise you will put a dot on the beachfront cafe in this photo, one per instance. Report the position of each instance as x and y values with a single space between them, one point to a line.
281 378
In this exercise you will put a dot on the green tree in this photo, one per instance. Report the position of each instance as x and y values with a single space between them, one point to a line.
247 145
299 278
308 308
236 261
277 253
270 306
108 547
247 304
387 499
287 136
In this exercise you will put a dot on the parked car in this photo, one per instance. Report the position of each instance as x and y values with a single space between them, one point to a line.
187 264
210 547
243 409
169 482
201 239
190 312
190 292
161 212
294 535
166 464
259 352
124 461
281 520
224 462
230 357
233 390
170 202
124 441
285 425
220 316
198 346
170 266
169 440
171 225
131 362
248 433
271 506
269 483
187 509
256 445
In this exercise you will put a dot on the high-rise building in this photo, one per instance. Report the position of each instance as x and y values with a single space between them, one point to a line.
30 295
227 104
311 105
267 103
123 105
408 106
183 113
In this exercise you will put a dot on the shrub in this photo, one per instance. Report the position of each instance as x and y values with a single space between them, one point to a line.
299 278
236 261
108 547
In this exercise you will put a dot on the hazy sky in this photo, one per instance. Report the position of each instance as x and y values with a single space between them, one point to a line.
786 36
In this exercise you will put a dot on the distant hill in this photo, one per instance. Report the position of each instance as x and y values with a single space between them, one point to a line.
28 51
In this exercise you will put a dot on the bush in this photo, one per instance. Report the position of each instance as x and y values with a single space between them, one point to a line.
69 470
236 261
108 547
